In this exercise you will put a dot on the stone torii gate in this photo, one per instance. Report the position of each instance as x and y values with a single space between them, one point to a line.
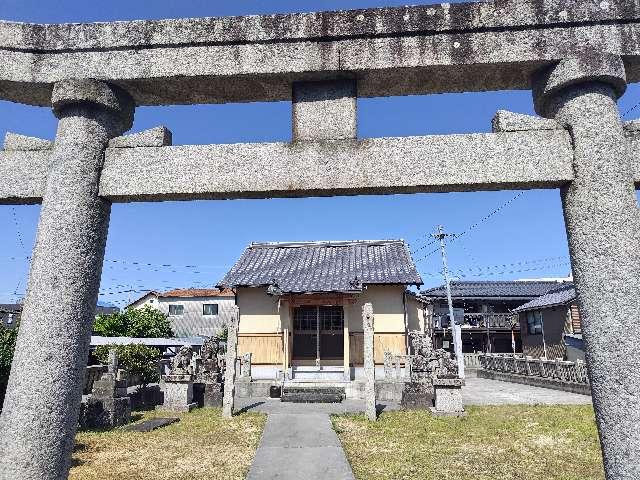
576 56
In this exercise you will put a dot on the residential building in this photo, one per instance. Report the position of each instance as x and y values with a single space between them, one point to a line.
486 311
10 314
301 305
191 311
550 325
106 309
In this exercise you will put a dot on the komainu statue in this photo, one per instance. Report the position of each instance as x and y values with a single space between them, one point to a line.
181 363
427 364
211 363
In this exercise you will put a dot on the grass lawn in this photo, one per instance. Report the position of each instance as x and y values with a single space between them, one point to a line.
502 443
202 445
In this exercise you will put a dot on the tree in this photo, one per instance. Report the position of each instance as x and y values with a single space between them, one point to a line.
136 323
138 360
7 346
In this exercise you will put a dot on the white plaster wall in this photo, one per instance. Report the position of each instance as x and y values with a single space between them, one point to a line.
192 322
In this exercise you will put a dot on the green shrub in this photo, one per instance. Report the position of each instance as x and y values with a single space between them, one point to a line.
138 360
136 323
7 345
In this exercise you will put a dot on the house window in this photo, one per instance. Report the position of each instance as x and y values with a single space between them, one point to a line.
534 322
210 309
176 309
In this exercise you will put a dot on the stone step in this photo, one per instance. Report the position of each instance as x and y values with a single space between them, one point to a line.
324 390
312 398
312 394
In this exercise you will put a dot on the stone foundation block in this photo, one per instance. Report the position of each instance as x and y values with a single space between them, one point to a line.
178 393
417 396
448 397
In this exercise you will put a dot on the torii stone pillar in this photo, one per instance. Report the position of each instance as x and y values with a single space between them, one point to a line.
40 412
603 231
369 362
230 363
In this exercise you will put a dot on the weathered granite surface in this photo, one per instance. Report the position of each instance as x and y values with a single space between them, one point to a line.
369 362
399 51
534 159
324 110
41 409
230 363
154 137
506 121
448 397
14 142
603 230
512 160
178 393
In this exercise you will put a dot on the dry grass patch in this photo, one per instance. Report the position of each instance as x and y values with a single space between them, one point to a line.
202 445
491 443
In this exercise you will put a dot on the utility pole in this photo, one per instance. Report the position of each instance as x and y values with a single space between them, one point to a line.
456 330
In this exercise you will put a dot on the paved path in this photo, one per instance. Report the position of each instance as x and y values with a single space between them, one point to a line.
299 443
482 391
300 446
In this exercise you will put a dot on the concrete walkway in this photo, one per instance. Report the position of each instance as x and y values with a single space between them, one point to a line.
299 446
299 443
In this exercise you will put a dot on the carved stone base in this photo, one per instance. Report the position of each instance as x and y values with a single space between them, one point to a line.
417 396
448 396
178 393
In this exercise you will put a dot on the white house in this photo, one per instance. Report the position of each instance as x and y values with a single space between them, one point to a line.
191 311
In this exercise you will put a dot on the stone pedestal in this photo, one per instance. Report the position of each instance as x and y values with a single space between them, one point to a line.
213 393
178 393
108 406
448 397
417 395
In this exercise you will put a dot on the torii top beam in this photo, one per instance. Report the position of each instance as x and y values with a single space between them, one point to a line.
392 51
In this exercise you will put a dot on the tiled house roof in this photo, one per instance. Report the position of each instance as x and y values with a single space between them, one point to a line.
558 296
186 293
10 307
512 289
323 266
197 292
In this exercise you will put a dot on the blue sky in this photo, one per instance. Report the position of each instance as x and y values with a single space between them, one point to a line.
182 244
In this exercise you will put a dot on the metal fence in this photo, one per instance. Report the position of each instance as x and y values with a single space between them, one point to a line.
558 369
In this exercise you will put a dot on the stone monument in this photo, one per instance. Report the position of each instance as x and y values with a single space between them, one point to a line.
209 374
369 362
230 364
428 366
108 405
178 385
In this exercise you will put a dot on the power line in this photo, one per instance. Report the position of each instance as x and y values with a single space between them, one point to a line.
506 272
630 110
423 246
454 237
488 216
514 264
18 233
